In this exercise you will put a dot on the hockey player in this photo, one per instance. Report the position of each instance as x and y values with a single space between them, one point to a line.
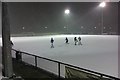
75 40
79 39
66 40
52 41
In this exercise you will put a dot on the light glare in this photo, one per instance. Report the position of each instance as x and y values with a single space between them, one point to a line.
67 11
103 4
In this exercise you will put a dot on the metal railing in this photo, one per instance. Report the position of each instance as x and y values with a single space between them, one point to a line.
102 76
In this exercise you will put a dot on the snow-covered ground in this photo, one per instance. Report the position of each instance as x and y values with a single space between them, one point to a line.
98 52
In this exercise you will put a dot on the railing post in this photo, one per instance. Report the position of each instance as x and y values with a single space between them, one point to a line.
35 61
21 56
59 70
101 76
18 56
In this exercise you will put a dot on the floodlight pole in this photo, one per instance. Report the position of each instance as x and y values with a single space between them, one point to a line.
102 21
67 12
102 5
6 46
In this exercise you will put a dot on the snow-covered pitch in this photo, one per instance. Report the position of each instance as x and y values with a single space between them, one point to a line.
98 52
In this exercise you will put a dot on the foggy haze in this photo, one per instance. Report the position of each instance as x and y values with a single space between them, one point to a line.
49 17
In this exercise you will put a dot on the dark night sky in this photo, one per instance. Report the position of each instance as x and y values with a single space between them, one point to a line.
35 16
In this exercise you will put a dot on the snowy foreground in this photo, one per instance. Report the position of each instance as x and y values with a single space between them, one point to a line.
98 52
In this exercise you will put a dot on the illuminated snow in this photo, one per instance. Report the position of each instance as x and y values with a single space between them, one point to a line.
98 52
